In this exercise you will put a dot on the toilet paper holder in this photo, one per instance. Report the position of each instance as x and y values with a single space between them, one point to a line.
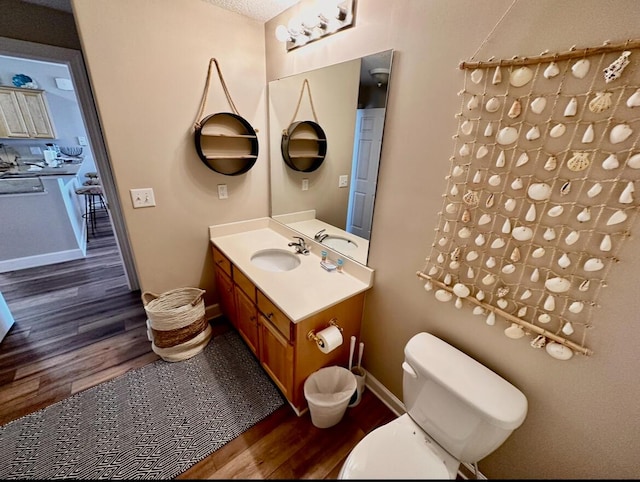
313 337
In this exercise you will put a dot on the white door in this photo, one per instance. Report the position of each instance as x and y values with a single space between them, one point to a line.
364 171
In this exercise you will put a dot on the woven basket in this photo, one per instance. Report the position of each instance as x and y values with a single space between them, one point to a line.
177 321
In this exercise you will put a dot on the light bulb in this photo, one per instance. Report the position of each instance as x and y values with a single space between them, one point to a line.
282 33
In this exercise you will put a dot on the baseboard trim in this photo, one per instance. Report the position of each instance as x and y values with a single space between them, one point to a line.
40 260
385 396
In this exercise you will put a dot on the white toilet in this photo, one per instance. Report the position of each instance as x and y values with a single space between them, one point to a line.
457 411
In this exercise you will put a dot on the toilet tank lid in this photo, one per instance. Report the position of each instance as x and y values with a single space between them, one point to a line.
503 404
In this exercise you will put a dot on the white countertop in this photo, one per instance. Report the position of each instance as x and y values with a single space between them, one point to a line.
300 292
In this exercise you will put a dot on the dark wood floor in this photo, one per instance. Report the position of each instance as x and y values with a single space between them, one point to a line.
77 325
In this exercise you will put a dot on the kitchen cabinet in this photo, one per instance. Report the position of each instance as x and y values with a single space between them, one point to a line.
24 114
283 347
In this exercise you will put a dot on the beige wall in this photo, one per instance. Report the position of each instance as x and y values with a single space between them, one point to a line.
584 414
148 61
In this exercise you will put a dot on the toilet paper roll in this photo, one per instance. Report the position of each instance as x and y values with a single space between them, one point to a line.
329 339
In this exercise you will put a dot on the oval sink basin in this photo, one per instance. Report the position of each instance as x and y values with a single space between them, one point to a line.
339 243
275 260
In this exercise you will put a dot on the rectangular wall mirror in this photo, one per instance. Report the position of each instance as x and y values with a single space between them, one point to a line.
333 203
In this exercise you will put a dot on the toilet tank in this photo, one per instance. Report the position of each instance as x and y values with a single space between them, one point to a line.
465 407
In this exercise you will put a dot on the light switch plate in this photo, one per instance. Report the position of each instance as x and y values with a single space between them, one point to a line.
222 191
305 184
343 181
143 198
82 141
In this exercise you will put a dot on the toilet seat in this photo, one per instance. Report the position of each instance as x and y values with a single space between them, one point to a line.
399 450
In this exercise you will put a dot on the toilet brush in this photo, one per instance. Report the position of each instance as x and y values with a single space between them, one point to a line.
352 348
361 349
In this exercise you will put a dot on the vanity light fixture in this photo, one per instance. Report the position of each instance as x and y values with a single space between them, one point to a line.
380 75
320 20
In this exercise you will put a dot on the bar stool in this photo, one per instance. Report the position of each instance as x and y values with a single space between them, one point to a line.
93 200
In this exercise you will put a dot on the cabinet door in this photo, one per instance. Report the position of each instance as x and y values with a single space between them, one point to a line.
36 114
276 356
11 119
247 321
227 298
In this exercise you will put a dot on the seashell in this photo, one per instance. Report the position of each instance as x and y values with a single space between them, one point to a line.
460 290
466 127
465 150
522 312
428 286
620 133
520 76
480 295
555 211
478 310
579 161
558 351
550 303
522 233
508 268
506 226
533 134
517 184
564 261
588 135
443 241
565 188
455 254
458 303
491 262
510 204
514 331
471 198
601 102
451 208
538 342
491 318
464 232
576 307
472 256
498 243
557 285
593 264
484 219
531 214
477 177
535 275
557 130
634 99
605 244
551 164
466 216
433 271
515 255
581 68
454 265
492 105
470 273
526 294
457 171
515 110
522 159
572 237
551 71
454 190
584 215
634 161
538 104
443 295
610 163
544 318
539 191
549 234
440 258
502 303
480 240
476 76
497 76
481 152
538 252
614 70
594 190
488 131
495 180
626 196
617 218
473 102
507 135
572 107
490 200
447 279
501 161
488 280
584 286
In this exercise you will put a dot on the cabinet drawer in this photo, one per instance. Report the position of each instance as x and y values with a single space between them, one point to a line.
274 315
221 261
244 283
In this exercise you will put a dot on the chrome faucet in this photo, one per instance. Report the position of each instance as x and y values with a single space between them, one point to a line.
320 236
301 246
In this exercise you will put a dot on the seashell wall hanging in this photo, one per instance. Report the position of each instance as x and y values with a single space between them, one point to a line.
548 178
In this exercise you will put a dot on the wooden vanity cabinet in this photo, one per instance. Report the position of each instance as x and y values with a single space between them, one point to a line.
224 282
283 347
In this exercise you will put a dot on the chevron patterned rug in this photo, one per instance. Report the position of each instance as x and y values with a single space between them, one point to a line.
151 423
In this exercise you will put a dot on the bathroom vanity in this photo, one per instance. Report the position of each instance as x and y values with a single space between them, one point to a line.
277 312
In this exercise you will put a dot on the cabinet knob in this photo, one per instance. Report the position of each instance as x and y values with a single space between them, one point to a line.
270 315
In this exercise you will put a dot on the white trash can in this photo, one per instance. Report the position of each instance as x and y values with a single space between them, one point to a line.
328 392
